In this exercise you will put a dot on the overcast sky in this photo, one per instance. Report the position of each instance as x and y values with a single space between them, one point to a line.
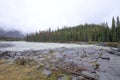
32 15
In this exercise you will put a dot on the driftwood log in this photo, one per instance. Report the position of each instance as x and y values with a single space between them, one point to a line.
76 73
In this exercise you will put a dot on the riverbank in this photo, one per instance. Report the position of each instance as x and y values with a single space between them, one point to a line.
80 63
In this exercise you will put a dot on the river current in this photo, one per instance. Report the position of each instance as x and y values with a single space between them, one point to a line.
22 45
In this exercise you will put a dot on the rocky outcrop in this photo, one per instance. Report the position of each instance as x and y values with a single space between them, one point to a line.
5 54
82 63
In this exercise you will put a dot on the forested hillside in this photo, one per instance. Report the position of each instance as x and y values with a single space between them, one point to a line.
87 32
10 34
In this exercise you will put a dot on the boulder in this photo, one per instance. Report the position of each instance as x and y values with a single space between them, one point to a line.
46 72
119 48
5 54
101 44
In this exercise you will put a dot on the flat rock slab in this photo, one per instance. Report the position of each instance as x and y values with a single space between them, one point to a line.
46 72
105 64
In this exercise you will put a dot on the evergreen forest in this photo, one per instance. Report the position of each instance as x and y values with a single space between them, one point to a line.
87 32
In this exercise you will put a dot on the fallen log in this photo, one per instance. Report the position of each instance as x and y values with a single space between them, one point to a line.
76 73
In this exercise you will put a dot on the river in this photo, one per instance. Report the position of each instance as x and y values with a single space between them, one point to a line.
22 45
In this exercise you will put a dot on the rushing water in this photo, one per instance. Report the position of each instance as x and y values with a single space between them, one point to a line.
22 45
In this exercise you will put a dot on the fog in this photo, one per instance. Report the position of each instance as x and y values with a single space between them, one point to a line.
34 15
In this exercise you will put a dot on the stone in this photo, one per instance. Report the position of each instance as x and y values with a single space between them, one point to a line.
5 54
46 72
101 44
101 62
40 66
119 48
93 75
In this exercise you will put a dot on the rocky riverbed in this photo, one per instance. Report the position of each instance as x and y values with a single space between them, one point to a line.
65 63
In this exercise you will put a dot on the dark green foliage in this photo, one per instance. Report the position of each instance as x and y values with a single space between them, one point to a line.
113 30
118 29
86 32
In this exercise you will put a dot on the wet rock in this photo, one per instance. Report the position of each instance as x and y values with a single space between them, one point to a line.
101 44
106 76
46 72
58 56
114 52
74 78
47 66
105 58
104 62
111 52
93 75
63 78
119 48
115 71
46 51
117 53
80 78
5 55
41 59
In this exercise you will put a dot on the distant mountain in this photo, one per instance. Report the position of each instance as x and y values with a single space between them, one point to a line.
11 33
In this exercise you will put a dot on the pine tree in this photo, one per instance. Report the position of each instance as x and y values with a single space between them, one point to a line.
118 29
113 30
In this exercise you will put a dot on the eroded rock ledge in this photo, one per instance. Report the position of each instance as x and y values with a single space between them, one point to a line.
80 63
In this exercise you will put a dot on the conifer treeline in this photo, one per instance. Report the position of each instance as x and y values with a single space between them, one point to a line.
86 32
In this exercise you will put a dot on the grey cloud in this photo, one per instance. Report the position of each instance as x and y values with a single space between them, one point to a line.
32 15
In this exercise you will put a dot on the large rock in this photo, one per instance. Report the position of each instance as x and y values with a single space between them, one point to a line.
119 48
101 44
46 72
5 55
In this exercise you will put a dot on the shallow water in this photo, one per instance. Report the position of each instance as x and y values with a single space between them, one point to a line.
22 45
